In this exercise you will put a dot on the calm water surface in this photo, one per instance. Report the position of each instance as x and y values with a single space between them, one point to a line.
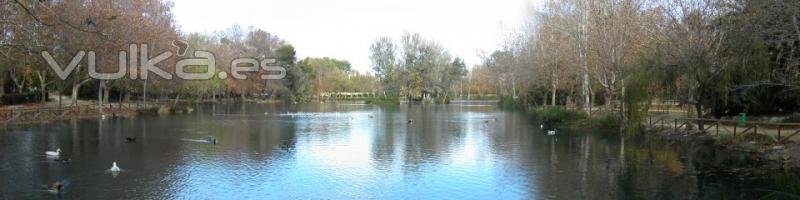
350 151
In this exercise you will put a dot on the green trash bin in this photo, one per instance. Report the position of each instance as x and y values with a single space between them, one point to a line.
742 119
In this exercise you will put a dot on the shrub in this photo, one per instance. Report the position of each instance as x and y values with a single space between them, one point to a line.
604 122
295 99
383 100
441 100
558 115
510 103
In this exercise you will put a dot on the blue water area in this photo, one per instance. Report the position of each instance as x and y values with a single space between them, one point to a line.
348 151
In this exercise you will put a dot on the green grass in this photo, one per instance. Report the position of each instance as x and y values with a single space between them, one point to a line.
383 100
560 116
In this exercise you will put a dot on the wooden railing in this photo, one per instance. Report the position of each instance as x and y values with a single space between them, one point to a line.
779 132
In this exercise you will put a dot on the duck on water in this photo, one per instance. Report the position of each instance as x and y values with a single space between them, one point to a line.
114 167
207 140
211 140
55 153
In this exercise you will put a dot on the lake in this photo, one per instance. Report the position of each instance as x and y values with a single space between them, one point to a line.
355 151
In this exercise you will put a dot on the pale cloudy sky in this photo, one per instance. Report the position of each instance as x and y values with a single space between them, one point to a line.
345 29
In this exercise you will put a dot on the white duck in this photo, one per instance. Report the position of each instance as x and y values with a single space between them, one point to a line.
114 167
551 132
53 153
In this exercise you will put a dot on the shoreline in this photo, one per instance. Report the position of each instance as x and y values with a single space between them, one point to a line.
764 157
42 113
745 154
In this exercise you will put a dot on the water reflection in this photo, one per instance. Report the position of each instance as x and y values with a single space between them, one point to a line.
347 151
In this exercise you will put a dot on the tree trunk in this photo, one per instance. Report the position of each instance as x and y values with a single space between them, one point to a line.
554 83
623 116
18 84
585 88
514 89
144 93
795 24
74 95
177 98
584 60
43 84
699 108
75 89
609 97
100 95
569 102
106 92
2 87
127 97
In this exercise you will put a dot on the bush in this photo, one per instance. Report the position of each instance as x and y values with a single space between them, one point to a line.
383 100
558 115
604 122
510 103
16 99
295 99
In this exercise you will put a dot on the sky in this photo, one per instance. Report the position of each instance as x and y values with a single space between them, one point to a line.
344 29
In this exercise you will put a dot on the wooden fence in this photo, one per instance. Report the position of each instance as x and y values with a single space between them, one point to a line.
779 132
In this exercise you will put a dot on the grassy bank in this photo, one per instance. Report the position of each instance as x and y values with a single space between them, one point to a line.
383 100
560 116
